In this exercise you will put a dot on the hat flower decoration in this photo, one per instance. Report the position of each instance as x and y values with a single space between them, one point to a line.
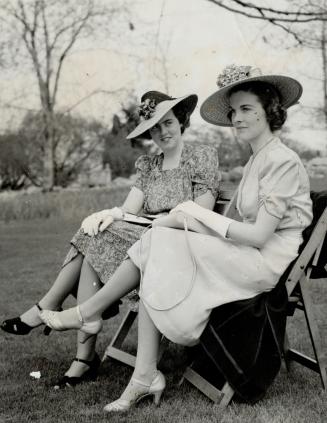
233 73
147 108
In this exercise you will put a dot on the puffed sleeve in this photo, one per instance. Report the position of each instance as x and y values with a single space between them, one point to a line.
278 182
205 173
142 166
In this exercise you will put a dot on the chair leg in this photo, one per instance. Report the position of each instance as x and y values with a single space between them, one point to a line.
319 363
286 352
314 332
222 397
114 348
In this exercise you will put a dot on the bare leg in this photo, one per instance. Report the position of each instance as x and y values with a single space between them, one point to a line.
89 284
63 285
146 380
126 278
147 347
61 288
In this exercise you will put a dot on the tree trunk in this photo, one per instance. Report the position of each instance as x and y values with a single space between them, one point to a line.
48 166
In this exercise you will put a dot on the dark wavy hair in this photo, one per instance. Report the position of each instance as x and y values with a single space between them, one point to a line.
182 115
269 98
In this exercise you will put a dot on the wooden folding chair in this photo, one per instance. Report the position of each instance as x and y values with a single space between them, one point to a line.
226 204
297 285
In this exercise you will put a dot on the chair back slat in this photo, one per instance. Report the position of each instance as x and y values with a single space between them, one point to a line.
316 238
317 255
226 203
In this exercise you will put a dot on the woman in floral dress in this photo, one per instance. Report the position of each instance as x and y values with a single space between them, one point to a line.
181 172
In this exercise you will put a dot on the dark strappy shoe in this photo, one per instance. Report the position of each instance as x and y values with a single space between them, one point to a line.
88 376
16 326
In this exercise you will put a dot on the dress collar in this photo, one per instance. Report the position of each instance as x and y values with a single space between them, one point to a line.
184 157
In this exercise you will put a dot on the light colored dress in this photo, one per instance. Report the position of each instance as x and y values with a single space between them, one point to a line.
227 271
196 174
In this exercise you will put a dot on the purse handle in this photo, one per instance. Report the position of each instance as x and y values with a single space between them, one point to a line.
192 259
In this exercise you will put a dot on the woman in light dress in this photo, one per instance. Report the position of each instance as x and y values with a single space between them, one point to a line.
233 260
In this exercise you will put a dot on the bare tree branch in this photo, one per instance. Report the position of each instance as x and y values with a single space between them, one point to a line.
255 11
95 92
294 22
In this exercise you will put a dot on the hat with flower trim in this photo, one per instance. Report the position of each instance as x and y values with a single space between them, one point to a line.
216 107
154 105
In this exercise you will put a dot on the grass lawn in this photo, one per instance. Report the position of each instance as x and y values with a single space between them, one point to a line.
31 252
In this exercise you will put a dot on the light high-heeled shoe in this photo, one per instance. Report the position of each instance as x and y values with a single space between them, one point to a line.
140 391
70 319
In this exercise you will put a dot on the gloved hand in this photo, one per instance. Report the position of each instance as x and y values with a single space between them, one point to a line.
99 221
212 220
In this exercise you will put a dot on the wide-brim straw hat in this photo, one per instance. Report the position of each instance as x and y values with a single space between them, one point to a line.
216 107
156 105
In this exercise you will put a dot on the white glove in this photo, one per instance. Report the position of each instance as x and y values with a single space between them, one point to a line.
101 220
212 220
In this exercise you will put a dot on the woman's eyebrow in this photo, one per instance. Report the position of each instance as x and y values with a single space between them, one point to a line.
241 105
166 120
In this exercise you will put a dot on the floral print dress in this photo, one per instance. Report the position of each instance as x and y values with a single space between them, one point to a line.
196 174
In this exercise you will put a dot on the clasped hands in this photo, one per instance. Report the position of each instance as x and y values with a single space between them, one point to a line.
98 222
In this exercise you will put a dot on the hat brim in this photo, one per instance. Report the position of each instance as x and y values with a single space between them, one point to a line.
161 109
216 107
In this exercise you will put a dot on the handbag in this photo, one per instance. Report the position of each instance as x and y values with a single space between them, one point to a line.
168 249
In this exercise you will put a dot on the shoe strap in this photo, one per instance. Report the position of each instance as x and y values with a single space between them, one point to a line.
80 317
140 382
39 307
87 362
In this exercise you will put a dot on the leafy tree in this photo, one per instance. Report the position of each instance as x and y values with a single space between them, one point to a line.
120 153
43 33
13 161
76 140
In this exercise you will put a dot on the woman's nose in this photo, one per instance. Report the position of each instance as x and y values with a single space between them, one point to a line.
163 130
237 117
